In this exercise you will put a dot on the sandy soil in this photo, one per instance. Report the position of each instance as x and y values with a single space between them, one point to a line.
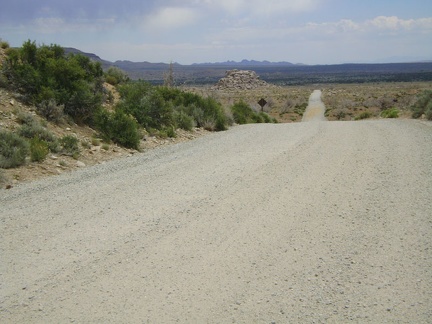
325 222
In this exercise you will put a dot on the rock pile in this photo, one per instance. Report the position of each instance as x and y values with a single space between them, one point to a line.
239 80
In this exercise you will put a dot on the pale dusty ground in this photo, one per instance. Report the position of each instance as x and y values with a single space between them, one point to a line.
324 222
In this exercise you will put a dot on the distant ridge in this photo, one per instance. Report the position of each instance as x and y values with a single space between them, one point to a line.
91 56
247 63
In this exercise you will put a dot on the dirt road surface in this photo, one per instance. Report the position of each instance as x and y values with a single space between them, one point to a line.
326 222
315 109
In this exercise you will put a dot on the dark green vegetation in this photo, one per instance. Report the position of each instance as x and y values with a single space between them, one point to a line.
244 114
390 113
423 105
45 76
161 108
13 150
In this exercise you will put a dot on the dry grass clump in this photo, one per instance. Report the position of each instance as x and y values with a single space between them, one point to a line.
359 101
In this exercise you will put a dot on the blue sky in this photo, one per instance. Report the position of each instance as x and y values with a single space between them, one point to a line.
196 31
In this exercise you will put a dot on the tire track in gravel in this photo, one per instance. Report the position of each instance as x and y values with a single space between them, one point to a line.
309 222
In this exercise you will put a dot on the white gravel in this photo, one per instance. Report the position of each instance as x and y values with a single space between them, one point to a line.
326 222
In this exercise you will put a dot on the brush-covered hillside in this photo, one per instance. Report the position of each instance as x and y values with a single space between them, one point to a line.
62 111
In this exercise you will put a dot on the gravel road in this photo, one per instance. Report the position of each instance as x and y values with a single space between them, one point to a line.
324 222
315 109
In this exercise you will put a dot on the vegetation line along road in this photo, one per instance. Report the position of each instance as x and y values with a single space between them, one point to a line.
316 109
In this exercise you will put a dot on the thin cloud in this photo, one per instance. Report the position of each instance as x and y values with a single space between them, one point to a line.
394 23
260 7
171 18
377 24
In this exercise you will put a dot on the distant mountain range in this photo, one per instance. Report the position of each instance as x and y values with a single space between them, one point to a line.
127 64
284 73
249 63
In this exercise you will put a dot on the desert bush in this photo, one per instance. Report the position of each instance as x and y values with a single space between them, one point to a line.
50 110
36 130
423 105
143 102
13 150
25 118
70 145
385 103
340 114
288 106
118 127
4 44
363 115
167 132
115 76
183 120
266 118
161 107
242 113
38 149
390 113
45 72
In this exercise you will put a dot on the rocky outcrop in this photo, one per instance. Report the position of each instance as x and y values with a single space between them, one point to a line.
239 80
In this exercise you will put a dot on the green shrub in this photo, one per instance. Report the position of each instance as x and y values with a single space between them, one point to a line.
13 150
38 149
390 113
25 118
266 118
167 132
70 145
244 114
115 76
118 127
363 115
83 102
423 105
183 120
50 110
4 44
36 130
161 107
45 72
